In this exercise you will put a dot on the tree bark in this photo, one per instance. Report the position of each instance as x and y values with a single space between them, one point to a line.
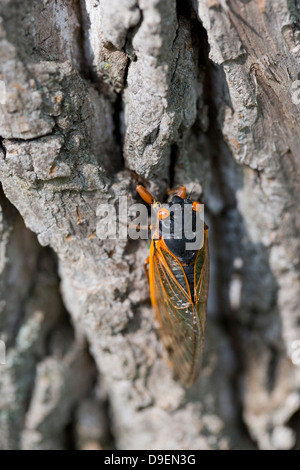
201 93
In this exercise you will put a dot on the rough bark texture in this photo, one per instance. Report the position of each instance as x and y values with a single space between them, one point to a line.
193 92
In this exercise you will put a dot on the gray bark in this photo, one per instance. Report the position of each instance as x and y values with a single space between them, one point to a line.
195 93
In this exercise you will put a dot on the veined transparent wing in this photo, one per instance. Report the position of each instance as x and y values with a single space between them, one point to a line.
180 327
202 281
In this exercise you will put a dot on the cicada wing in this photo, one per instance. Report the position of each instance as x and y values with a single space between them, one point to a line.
202 281
180 329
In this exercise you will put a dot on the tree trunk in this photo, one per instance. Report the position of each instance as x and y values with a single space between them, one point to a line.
202 93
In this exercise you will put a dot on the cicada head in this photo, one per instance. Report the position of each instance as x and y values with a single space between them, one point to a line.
180 225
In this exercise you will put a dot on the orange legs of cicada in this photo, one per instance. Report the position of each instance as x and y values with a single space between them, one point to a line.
145 195
181 192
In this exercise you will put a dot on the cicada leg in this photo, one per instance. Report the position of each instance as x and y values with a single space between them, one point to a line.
141 227
181 191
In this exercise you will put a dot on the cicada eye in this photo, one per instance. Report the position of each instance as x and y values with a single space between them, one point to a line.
196 206
163 214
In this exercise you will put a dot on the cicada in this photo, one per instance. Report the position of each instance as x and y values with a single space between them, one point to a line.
179 280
